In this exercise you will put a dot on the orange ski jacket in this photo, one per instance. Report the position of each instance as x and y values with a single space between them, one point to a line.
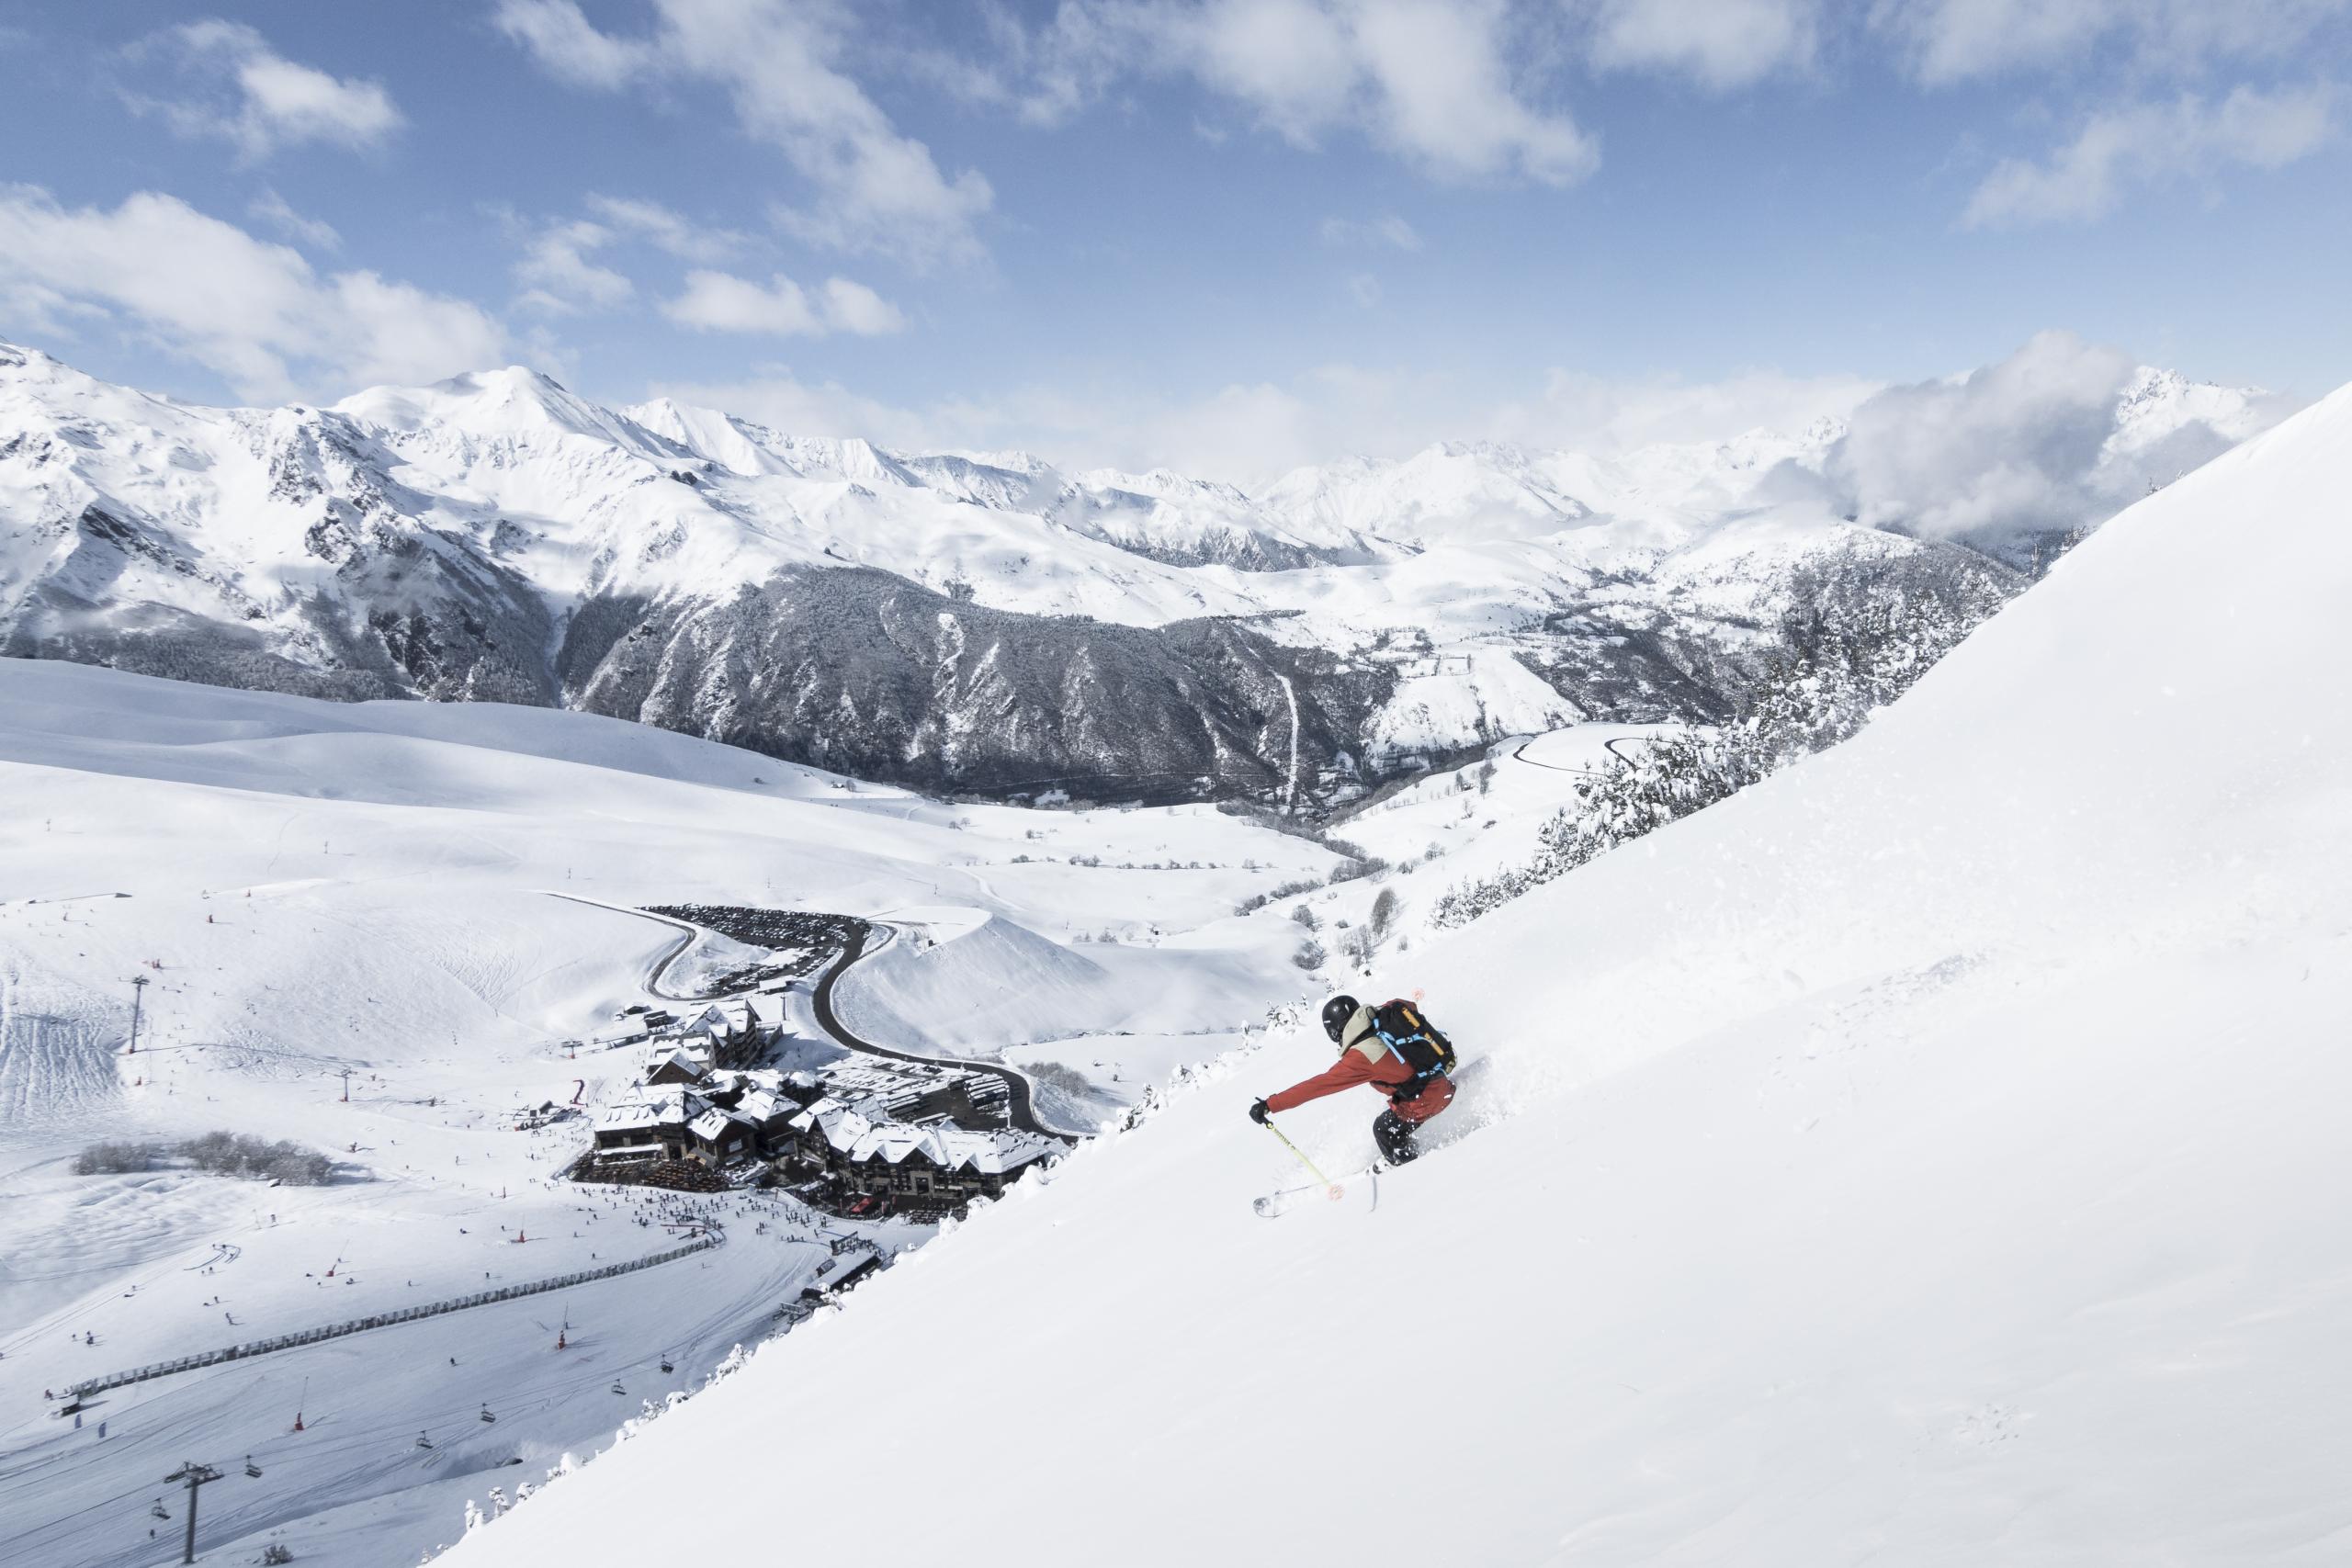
1365 1058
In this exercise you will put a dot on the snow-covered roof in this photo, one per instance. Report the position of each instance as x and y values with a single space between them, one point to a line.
866 1132
697 1062
989 1152
711 1125
762 1106
627 1117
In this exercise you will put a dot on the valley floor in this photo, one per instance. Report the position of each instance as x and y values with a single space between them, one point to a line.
312 891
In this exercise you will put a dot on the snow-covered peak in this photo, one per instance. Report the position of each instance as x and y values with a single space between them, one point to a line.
2158 404
517 404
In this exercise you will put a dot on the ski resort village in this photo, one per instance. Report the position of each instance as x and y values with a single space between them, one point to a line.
1176 784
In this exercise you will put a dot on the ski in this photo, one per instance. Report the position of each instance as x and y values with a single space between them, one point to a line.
1274 1205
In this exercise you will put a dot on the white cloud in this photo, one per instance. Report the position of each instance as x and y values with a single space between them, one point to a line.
1955 41
2010 449
256 97
1391 231
1722 44
562 40
874 188
2149 143
558 277
722 303
1248 432
1430 81
254 312
1363 289
271 209
666 230
1583 412
854 307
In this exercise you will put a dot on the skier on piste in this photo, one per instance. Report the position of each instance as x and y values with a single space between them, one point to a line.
1390 1048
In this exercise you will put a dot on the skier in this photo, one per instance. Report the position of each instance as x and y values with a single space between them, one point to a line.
1374 1049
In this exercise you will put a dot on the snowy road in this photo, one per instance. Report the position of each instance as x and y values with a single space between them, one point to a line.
1023 1110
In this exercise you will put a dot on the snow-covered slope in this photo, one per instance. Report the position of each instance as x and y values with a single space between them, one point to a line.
1933 1156
437 897
983 622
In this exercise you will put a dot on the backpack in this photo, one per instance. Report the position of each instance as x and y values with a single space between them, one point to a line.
1415 1041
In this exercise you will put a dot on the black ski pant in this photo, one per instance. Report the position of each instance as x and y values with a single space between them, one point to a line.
1395 1136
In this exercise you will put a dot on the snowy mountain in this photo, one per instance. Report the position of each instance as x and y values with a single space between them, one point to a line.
440 898
1933 1154
982 622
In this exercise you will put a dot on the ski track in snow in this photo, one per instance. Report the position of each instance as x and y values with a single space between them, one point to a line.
57 1068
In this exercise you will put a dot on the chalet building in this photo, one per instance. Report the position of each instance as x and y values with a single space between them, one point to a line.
922 1137
914 1166
648 1128
718 1137
734 1029
677 1063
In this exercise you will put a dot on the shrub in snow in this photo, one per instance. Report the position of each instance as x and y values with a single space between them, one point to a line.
217 1154
1057 1076
231 1154
117 1158
276 1554
1310 954
1256 901
1849 646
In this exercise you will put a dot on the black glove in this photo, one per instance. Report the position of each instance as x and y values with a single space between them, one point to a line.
1258 1111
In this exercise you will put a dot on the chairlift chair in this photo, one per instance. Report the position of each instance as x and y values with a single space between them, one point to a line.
486 1414
158 1510
617 1388
422 1442
251 1468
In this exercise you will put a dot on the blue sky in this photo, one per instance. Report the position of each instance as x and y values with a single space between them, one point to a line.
1224 236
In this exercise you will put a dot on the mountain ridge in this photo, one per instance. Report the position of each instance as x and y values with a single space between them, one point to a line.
497 536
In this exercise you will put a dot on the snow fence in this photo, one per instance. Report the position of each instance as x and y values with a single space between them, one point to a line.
88 1386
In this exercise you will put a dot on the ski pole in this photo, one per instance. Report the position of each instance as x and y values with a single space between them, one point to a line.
1277 1132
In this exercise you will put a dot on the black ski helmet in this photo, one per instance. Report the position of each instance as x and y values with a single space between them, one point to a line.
1336 1014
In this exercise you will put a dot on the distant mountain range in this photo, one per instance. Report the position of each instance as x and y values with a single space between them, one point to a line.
955 621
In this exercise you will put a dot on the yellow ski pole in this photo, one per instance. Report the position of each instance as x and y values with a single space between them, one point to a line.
1330 1188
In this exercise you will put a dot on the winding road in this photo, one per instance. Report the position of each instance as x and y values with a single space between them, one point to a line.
1022 1104
821 1000
1519 754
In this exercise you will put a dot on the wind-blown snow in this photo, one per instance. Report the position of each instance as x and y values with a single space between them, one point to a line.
1933 1156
